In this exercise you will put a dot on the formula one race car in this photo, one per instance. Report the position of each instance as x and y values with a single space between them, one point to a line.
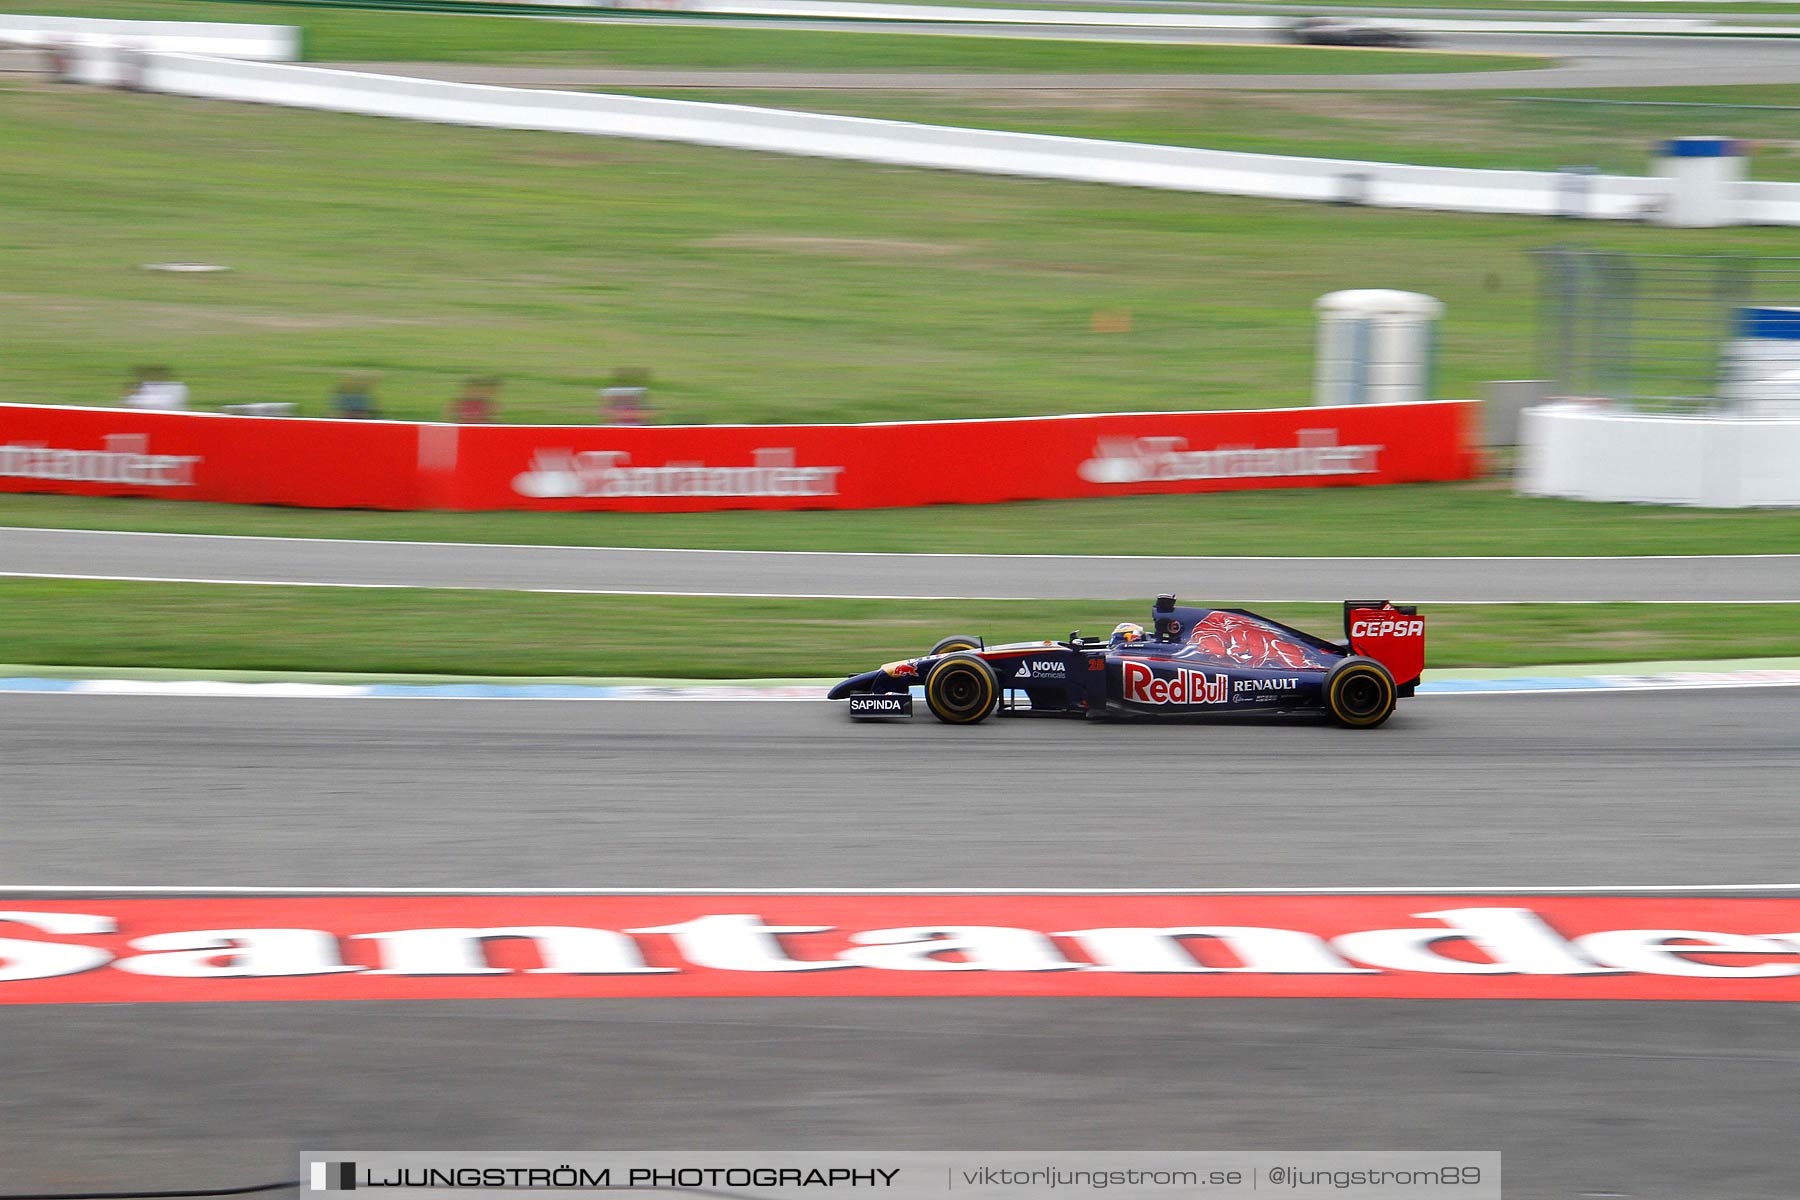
1336 31
1193 662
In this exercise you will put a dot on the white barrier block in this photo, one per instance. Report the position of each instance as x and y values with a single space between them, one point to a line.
263 43
1390 185
1581 452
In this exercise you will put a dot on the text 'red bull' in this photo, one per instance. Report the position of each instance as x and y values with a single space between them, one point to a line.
1142 686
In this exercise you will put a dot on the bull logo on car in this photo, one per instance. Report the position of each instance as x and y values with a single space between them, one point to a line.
1242 641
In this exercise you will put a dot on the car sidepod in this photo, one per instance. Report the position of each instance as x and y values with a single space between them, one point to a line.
1044 679
1150 684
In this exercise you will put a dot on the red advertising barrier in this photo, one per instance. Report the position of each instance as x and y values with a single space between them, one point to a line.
398 947
209 456
365 464
959 462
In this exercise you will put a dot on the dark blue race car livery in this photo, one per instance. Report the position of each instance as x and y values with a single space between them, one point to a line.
1189 662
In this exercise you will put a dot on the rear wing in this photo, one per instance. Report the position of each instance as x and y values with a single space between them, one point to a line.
1391 634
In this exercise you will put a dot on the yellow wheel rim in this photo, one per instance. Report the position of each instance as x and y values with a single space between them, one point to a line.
957 707
1358 675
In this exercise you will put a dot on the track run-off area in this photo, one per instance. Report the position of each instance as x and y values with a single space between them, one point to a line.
1589 815
201 558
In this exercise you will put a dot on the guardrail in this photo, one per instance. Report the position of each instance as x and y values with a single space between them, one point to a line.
1387 185
1765 203
265 43
401 465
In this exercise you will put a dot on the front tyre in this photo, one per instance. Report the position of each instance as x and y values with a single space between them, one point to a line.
961 690
1359 693
954 643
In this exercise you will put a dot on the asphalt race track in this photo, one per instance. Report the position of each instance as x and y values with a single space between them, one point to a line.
1679 788
1675 1101
104 555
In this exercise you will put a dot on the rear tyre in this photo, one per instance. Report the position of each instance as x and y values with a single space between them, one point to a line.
961 690
1359 693
954 643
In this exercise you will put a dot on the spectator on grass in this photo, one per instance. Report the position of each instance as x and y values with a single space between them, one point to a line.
475 406
155 388
625 400
354 398
59 57
132 64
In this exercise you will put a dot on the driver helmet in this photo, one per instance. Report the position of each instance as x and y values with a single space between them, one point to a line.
1127 632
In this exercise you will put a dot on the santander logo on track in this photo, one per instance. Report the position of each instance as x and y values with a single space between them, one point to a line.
1143 686
500 947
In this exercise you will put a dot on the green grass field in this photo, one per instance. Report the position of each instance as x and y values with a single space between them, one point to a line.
1422 519
755 287
763 288
350 35
1450 129
198 626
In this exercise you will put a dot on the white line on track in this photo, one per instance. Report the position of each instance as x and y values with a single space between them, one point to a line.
1402 890
543 591
1300 558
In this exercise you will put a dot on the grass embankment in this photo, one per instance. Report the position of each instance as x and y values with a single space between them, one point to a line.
755 287
199 626
352 35
1421 519
1545 131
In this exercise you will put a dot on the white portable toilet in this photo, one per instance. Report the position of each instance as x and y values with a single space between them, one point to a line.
1702 174
1375 346
1763 363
